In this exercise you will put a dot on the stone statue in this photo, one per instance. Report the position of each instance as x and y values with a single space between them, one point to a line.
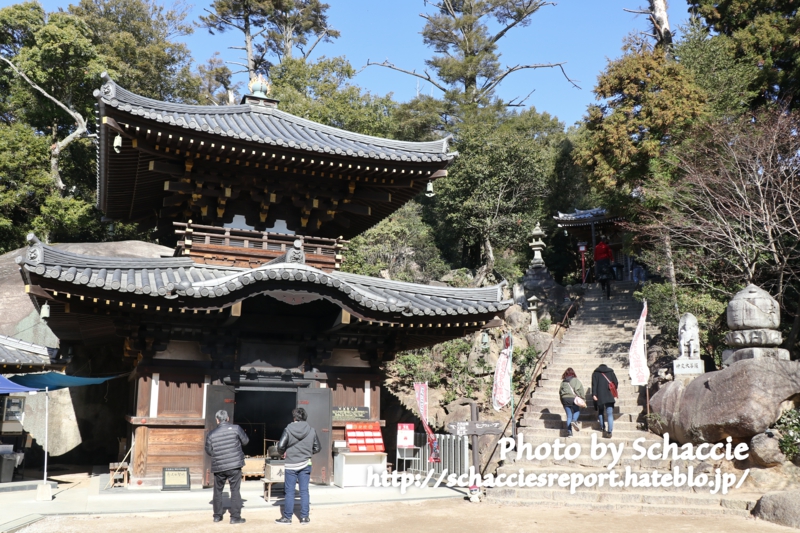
754 318
689 337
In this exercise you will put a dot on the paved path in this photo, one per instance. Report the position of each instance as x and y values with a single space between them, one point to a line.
82 494
429 516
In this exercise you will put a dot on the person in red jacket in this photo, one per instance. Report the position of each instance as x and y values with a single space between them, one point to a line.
602 261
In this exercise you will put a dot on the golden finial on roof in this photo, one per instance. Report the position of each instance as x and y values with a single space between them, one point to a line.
259 86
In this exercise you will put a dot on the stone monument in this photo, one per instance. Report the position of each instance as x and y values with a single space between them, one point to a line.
753 317
688 365
689 337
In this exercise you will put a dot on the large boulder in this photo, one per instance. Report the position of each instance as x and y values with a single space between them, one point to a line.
516 318
764 450
780 507
740 401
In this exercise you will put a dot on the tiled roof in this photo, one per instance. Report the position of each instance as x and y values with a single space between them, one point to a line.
270 126
580 214
180 276
17 352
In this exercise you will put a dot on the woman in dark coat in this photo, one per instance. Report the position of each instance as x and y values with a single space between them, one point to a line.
603 399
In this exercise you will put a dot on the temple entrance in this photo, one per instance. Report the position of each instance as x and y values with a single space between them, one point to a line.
263 415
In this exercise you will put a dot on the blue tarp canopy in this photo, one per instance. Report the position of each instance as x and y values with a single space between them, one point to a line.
55 381
9 387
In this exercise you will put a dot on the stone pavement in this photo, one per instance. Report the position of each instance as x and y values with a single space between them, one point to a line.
83 494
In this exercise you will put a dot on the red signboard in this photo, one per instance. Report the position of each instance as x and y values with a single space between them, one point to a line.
405 435
364 437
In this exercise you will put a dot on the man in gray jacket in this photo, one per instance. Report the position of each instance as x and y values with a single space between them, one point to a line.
299 442
224 445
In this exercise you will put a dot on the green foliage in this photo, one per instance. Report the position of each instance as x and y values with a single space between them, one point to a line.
63 61
726 79
494 191
321 91
544 324
216 87
415 366
709 308
64 54
765 33
401 244
246 16
789 426
525 361
467 60
290 25
508 266
649 102
24 182
444 365
135 39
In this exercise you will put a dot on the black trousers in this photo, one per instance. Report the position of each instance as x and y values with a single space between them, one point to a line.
234 479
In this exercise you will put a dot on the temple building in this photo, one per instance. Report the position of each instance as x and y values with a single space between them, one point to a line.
252 312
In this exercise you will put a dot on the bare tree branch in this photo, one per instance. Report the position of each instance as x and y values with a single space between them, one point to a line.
489 88
426 77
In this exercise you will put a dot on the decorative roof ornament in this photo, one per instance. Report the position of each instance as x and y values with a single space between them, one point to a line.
537 244
259 86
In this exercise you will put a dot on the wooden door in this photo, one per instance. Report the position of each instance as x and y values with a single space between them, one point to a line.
218 397
317 403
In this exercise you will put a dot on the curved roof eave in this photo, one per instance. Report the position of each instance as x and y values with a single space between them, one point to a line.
262 123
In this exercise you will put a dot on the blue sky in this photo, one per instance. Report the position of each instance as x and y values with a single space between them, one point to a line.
582 33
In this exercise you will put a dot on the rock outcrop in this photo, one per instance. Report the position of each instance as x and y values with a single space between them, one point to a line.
764 450
780 507
740 401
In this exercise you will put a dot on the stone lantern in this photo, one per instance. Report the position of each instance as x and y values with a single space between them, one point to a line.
533 304
537 245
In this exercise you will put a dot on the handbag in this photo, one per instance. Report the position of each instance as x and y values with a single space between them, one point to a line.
612 387
580 402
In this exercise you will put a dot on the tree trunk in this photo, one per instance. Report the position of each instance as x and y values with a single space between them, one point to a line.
248 46
55 151
488 267
660 20
671 273
791 340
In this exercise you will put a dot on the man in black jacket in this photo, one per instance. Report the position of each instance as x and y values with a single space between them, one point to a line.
224 445
299 442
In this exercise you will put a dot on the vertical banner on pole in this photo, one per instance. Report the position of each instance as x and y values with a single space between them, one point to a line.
421 390
501 391
637 356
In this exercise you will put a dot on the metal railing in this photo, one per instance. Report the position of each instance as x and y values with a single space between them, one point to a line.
530 388
453 451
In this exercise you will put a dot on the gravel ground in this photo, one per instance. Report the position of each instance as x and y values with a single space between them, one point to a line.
433 516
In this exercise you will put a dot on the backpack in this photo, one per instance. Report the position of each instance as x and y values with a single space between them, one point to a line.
612 387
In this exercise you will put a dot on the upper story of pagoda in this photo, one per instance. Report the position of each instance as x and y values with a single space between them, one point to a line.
162 162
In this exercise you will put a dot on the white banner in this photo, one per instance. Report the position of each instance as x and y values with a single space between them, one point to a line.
421 390
501 392
637 357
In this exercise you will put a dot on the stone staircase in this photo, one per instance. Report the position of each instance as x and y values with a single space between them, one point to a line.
601 333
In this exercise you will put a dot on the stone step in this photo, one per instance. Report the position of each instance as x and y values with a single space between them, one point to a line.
584 437
553 404
585 423
587 415
668 509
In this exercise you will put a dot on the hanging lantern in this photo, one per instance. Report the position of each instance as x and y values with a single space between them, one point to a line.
429 190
